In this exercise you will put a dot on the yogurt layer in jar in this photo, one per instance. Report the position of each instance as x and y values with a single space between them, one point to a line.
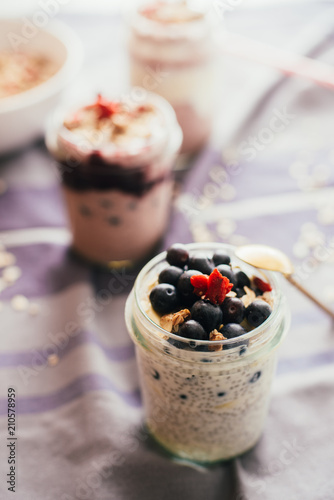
173 53
116 163
205 400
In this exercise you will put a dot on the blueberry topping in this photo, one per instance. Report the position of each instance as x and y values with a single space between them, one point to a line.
193 330
257 312
242 279
220 257
226 271
232 330
207 314
240 292
183 396
164 298
201 263
170 275
255 377
185 287
221 394
156 375
177 255
233 310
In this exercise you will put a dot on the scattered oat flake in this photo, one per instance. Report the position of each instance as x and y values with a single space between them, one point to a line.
300 250
7 259
20 303
11 274
53 360
326 216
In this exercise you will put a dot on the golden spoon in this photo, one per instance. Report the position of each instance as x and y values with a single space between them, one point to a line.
271 259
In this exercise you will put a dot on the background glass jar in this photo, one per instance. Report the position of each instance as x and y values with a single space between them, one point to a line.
118 196
178 61
201 404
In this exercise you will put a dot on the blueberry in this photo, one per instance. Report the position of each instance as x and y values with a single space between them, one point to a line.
231 331
201 263
164 298
255 377
193 330
221 394
240 292
257 312
208 315
177 255
183 396
170 275
225 270
233 310
185 287
220 257
242 279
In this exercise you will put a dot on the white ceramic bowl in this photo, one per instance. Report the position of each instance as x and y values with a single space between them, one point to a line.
23 116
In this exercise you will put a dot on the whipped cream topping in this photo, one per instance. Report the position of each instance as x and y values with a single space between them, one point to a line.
112 122
164 12
22 71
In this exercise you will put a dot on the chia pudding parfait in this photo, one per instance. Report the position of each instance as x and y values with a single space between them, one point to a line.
173 52
206 400
116 162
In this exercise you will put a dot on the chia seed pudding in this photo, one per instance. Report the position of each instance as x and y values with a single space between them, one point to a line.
206 394
116 163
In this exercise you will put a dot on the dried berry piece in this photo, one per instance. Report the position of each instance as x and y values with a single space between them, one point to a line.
262 285
218 287
200 283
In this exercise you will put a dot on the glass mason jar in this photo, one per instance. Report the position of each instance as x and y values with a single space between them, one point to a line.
201 404
118 196
178 60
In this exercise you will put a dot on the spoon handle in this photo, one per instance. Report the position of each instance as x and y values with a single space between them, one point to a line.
295 283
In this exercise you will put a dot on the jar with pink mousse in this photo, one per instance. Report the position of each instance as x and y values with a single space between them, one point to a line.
116 163
173 53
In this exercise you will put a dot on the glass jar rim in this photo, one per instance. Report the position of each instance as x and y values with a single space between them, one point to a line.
256 332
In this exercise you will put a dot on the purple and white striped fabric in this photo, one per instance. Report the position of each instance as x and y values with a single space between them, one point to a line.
79 414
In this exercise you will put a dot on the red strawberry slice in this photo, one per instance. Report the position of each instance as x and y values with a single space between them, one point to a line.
200 283
218 287
262 285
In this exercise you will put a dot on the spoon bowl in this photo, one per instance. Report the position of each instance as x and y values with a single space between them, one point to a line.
272 259
265 257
